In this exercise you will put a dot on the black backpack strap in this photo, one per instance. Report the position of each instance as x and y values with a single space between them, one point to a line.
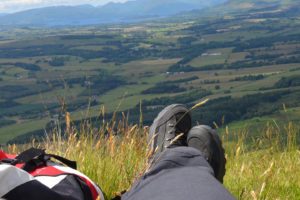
30 154
63 160
24 157
33 158
10 161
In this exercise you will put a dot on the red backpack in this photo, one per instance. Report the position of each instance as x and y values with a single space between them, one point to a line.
33 175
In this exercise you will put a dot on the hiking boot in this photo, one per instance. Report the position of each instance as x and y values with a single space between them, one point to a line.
170 127
206 139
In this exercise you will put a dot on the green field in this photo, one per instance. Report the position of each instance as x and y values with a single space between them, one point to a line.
46 72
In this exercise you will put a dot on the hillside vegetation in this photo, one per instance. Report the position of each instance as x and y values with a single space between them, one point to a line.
116 154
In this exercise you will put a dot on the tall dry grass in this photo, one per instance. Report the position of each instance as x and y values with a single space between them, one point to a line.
115 155
267 167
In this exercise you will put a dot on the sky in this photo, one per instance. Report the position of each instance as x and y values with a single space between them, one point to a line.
11 6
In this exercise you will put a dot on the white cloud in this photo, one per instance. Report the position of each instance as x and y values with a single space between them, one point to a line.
17 5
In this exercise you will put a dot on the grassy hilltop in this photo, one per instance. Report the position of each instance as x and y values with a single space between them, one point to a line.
266 167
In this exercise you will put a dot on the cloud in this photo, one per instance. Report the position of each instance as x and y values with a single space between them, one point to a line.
18 5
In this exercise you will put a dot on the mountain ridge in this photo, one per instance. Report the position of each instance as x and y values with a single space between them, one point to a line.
86 14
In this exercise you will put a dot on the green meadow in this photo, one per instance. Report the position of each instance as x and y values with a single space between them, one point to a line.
46 72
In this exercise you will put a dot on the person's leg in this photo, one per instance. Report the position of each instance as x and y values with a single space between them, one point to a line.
207 141
179 171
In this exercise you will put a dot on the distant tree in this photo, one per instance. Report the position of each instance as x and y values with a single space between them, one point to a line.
26 66
288 82
164 88
57 62
249 78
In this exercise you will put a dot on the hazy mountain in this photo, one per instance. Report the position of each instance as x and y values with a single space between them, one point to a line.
60 15
238 6
157 7
112 12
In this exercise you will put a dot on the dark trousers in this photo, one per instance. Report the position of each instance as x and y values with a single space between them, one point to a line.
179 173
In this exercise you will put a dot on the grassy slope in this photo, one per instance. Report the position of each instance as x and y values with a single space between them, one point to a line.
266 168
